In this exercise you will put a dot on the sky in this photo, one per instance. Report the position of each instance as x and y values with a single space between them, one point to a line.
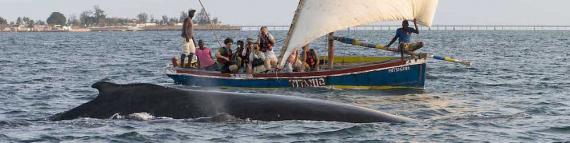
280 12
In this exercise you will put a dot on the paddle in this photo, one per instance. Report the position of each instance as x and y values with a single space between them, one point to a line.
357 42
449 59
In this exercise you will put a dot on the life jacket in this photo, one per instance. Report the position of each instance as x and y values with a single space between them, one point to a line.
228 53
311 60
245 58
265 43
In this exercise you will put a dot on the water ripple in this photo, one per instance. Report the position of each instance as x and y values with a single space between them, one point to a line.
507 95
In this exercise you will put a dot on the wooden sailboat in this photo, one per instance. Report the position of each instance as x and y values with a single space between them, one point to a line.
317 18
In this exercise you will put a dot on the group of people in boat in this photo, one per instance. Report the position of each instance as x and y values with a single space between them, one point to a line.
257 56
249 56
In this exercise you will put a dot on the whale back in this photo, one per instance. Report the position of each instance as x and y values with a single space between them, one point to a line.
163 101
135 98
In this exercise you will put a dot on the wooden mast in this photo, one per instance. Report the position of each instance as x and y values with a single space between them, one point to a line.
291 29
331 50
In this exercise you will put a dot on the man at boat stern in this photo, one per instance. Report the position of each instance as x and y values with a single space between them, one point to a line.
404 37
188 48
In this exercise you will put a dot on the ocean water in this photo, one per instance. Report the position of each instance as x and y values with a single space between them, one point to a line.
517 90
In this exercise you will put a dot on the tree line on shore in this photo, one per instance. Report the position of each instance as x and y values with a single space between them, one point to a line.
98 18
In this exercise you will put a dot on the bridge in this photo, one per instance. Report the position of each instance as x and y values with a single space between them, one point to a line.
434 28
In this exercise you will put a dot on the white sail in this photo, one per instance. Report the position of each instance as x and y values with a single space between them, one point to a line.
315 18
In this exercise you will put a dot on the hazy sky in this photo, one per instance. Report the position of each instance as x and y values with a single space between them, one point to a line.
279 12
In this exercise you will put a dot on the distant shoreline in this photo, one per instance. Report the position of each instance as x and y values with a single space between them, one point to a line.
128 28
284 28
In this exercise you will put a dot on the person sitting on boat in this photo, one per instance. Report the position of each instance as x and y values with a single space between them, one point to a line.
204 55
293 63
258 63
244 54
267 41
311 61
224 57
189 47
237 55
404 36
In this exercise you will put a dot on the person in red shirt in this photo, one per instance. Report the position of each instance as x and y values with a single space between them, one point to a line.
204 55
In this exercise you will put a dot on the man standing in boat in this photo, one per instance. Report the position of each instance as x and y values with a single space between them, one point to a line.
404 36
266 42
189 48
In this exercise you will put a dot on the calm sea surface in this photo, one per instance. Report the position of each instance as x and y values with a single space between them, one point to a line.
518 90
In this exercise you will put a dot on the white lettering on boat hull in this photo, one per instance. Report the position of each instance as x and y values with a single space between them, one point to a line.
242 76
313 82
399 69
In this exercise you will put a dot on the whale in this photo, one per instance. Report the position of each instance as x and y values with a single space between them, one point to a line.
176 103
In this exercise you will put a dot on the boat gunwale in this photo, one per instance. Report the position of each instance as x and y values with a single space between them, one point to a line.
337 72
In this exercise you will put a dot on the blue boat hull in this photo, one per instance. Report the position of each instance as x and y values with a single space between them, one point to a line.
404 75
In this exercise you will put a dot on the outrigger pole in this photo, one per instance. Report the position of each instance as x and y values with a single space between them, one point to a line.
357 42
